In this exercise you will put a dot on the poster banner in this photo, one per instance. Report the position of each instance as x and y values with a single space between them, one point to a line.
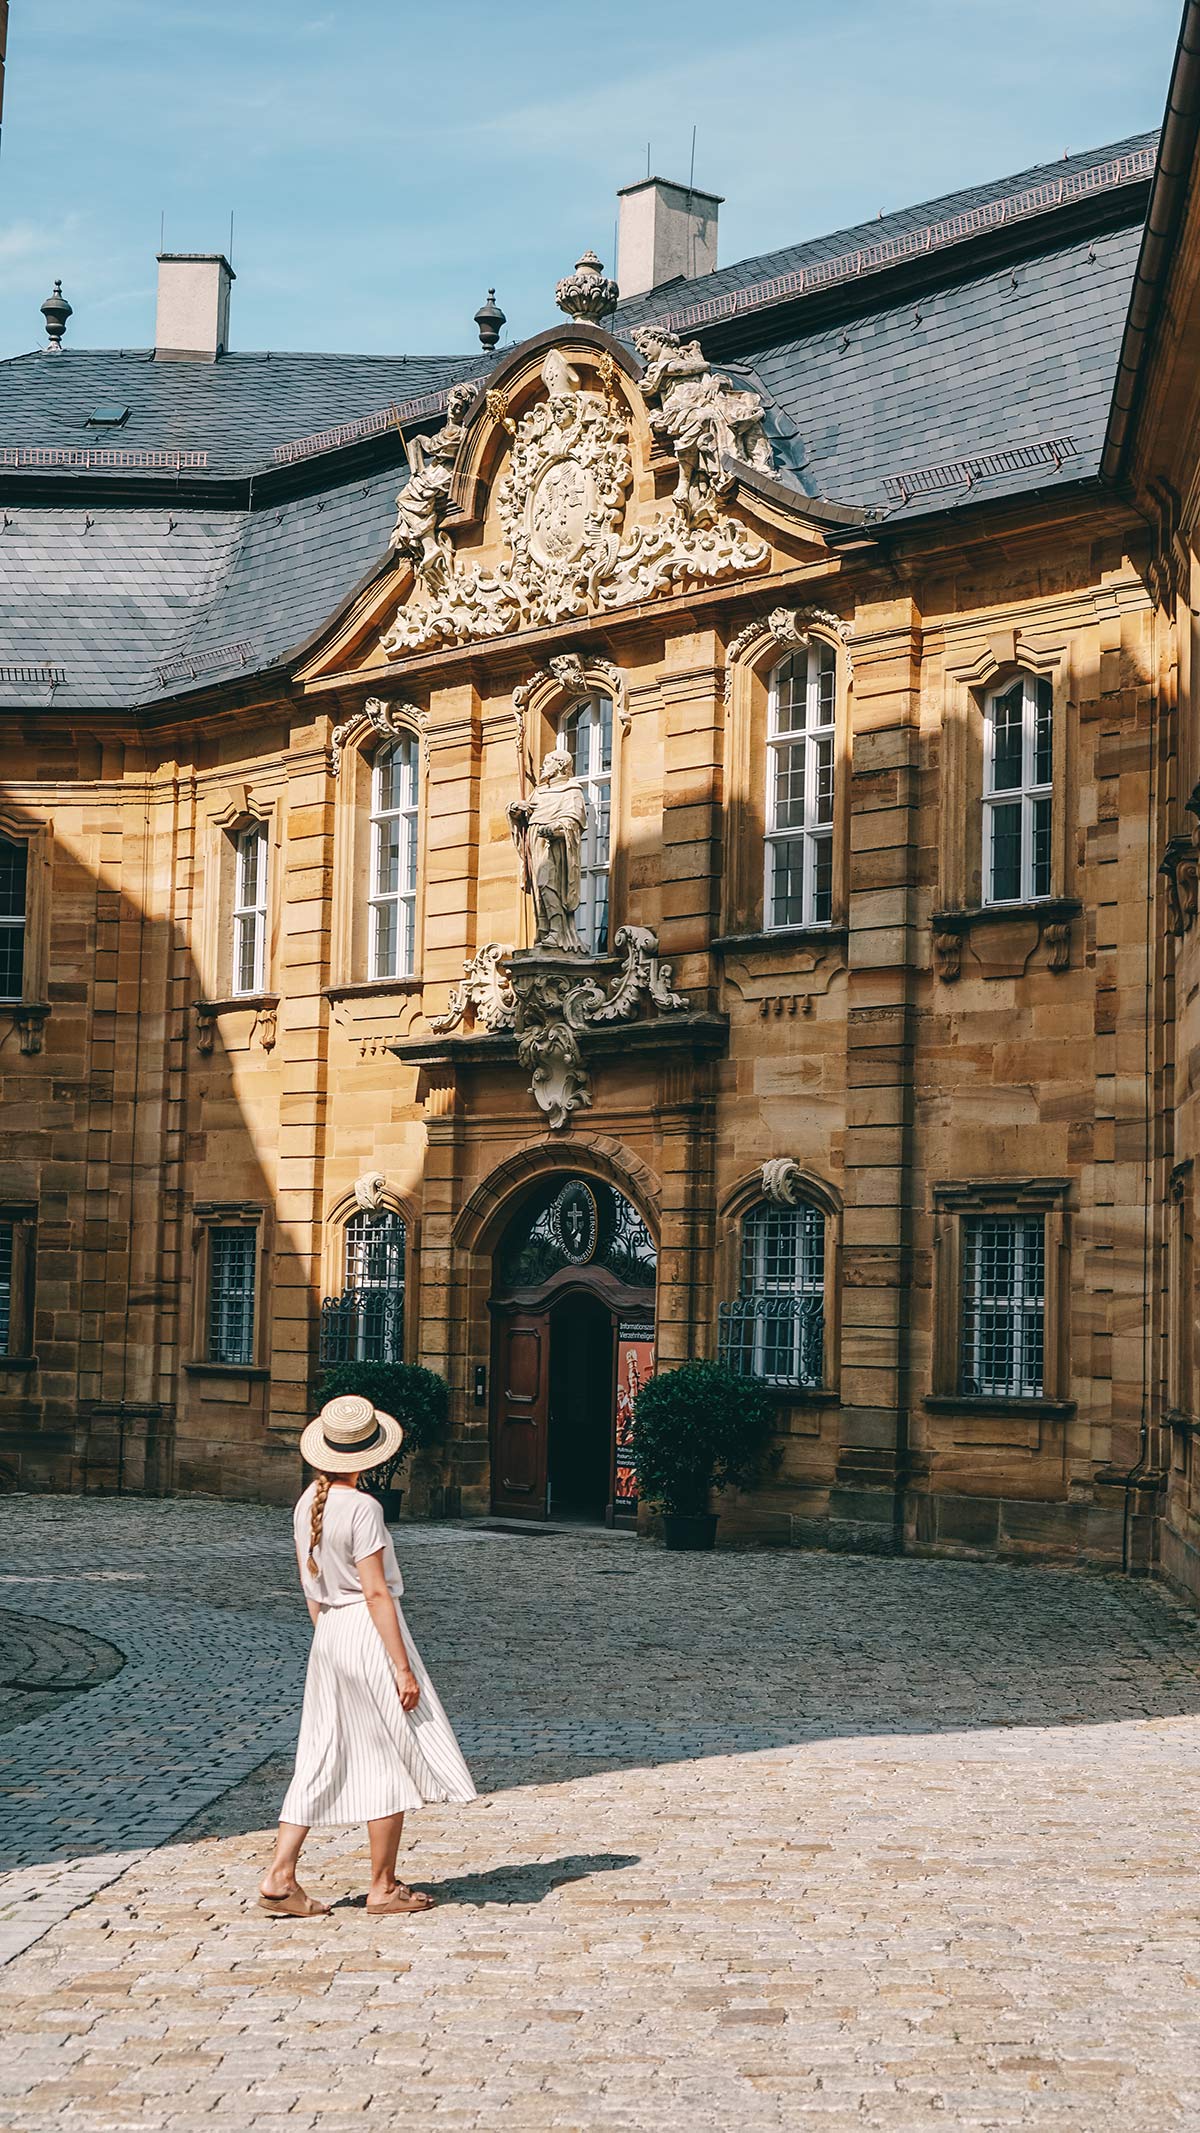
635 1363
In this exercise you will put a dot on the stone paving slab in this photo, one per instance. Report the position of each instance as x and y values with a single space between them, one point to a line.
766 1841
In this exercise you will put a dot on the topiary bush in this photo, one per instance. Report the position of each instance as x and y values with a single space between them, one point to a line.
419 1399
695 1429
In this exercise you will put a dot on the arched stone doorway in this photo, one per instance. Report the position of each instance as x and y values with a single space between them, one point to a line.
573 1292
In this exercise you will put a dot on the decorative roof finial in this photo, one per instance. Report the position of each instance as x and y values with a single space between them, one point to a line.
587 293
490 319
56 311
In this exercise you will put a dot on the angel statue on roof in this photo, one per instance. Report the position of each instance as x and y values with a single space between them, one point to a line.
421 504
704 418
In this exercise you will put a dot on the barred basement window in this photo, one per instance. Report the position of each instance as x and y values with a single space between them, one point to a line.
1017 794
774 1329
250 910
232 1255
586 735
365 1324
14 860
393 891
6 1287
1003 1330
800 755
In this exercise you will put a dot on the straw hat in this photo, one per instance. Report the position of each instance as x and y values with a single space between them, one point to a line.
350 1436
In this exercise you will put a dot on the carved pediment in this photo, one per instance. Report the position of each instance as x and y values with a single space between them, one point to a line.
570 544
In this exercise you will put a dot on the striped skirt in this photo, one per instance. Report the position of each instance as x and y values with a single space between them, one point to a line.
359 1755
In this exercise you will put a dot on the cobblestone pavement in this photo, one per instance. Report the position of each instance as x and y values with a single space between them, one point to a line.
766 1840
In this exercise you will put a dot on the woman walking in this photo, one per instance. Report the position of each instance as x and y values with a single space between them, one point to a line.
374 1739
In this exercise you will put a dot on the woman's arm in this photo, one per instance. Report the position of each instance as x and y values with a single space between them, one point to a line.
314 1612
382 1605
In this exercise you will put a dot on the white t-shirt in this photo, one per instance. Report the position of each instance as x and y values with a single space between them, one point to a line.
353 1527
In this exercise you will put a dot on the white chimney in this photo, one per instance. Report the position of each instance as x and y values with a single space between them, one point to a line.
664 230
193 306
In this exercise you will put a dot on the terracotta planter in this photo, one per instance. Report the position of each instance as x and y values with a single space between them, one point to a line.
690 1529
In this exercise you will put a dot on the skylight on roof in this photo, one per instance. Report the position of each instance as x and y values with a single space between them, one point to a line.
110 415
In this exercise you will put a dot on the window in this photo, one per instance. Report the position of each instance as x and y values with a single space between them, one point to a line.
13 882
393 889
799 812
365 1324
1003 1331
1018 773
250 910
586 735
774 1329
232 1256
16 1280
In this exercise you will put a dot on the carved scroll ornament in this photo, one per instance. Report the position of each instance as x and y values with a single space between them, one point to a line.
791 628
783 1181
391 719
549 1004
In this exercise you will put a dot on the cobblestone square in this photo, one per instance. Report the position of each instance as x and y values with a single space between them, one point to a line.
765 1839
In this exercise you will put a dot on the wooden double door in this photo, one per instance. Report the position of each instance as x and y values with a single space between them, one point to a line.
554 1380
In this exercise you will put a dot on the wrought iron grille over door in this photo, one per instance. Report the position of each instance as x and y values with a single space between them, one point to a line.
365 1324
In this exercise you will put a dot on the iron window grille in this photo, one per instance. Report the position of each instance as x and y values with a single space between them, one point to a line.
1017 791
250 910
394 833
14 866
231 1281
6 1287
774 1329
365 1324
1003 1333
586 735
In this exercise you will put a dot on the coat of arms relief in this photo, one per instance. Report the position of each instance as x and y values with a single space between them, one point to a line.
561 504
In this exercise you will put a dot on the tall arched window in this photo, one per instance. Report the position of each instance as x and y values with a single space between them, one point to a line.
1018 773
393 876
365 1324
250 910
586 734
13 892
774 1329
800 772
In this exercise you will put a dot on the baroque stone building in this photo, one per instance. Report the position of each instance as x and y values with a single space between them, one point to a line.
821 1011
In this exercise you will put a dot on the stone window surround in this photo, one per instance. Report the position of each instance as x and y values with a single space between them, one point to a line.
1047 1197
29 1013
242 809
757 652
22 1214
973 673
748 1194
208 1215
333 1254
350 929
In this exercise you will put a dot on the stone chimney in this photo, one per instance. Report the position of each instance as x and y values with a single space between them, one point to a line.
664 230
193 307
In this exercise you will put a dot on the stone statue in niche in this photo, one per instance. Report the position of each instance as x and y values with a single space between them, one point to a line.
421 504
702 416
548 829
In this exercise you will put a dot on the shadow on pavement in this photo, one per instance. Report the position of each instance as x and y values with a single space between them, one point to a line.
517 1882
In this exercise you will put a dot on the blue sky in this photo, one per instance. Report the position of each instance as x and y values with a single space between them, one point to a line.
386 161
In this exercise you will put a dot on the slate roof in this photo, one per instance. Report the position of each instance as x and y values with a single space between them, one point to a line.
141 600
236 410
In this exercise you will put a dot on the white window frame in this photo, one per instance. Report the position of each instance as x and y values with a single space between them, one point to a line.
18 922
815 738
1028 794
596 778
249 911
398 903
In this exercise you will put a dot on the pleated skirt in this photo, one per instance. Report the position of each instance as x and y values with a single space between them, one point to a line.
359 1754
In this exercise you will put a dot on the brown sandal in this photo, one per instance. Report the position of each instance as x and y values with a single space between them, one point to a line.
294 1905
402 1900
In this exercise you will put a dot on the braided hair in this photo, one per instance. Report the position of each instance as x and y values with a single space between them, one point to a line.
317 1521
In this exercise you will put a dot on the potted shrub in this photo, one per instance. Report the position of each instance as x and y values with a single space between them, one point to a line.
696 1429
418 1398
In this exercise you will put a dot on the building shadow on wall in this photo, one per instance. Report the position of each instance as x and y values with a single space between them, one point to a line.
124 1117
